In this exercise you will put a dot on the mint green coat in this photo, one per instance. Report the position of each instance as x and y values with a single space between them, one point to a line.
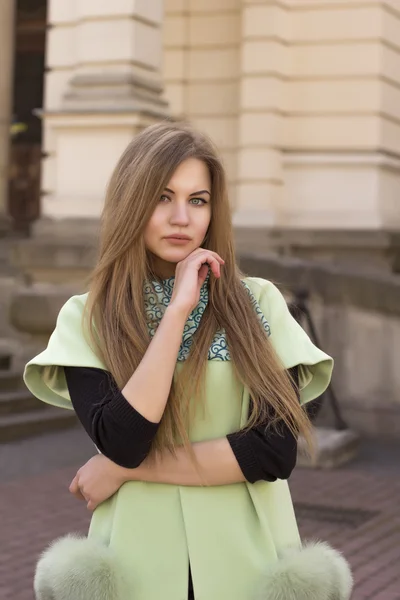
231 533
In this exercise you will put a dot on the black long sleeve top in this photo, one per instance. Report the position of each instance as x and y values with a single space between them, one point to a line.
125 436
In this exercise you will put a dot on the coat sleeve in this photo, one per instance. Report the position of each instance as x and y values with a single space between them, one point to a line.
117 429
264 453
68 346
291 343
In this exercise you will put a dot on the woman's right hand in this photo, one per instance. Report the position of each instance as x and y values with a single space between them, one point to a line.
97 480
190 274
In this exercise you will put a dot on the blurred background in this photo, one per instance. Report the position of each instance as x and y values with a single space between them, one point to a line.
302 98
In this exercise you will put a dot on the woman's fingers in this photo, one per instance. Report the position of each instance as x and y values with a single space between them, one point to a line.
203 273
215 266
91 505
214 255
75 490
212 259
209 253
218 258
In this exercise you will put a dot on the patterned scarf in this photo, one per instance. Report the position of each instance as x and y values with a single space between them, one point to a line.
157 296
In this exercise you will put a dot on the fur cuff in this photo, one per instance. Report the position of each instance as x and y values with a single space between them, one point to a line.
76 568
314 572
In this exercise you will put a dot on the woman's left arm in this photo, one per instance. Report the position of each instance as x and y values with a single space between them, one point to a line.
257 454
100 478
243 456
216 461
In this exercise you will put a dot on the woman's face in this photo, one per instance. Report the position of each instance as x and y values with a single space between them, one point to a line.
184 210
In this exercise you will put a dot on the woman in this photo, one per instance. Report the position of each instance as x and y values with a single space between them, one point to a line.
190 380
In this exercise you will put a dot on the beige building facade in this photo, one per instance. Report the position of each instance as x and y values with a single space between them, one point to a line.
301 96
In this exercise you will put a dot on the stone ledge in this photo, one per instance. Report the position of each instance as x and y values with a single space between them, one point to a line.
363 249
34 309
333 449
333 284
5 225
59 253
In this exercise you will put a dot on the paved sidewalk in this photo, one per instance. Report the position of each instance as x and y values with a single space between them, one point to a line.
355 508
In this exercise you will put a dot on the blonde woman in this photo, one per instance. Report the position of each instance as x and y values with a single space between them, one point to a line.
190 378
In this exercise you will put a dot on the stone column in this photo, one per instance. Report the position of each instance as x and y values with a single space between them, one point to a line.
319 149
103 86
342 133
7 31
201 70
264 66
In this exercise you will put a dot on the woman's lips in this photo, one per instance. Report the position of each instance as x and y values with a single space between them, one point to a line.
177 240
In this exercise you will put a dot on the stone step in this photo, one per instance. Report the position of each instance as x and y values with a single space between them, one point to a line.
33 423
11 380
6 248
18 401
5 360
333 448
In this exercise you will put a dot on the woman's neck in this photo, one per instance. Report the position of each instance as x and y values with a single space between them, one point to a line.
162 268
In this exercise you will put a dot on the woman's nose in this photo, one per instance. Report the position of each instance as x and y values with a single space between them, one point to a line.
179 215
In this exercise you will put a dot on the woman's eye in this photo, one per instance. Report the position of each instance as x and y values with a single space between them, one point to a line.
164 198
198 201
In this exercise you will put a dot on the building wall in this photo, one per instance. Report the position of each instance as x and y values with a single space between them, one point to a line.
201 67
301 97
101 56
341 135
7 15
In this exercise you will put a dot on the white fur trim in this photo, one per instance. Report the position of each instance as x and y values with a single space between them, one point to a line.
314 572
76 568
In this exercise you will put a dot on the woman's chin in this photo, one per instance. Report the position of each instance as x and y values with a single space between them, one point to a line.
165 263
174 255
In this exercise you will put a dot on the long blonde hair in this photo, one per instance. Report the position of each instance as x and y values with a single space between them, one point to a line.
115 308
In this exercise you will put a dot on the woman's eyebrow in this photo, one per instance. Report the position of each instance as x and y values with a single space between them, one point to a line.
193 194
200 192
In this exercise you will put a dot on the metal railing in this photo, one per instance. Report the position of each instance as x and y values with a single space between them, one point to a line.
299 309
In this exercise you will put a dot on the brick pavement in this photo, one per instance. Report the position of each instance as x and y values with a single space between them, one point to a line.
355 508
